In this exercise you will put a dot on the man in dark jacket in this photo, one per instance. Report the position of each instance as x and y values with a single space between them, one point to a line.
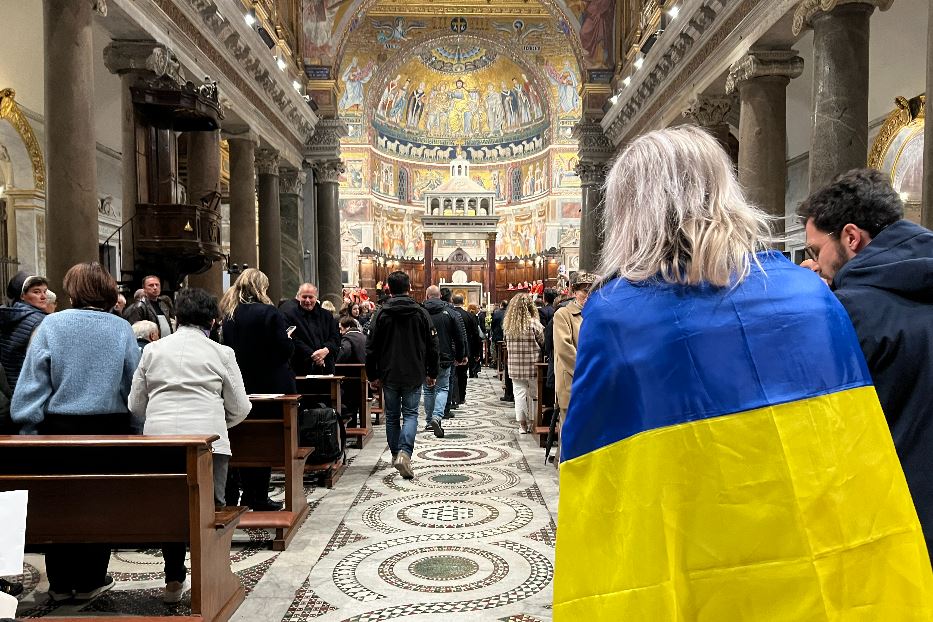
401 354
453 393
474 346
881 269
316 337
18 321
451 348
498 316
153 307
546 312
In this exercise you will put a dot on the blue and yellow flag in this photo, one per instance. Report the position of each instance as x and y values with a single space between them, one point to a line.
725 458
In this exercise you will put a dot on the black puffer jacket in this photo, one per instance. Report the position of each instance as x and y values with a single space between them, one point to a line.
402 346
450 345
17 324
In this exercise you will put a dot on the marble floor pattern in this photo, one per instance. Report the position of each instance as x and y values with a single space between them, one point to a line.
471 538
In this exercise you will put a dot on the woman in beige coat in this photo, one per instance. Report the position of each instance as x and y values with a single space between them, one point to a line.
567 321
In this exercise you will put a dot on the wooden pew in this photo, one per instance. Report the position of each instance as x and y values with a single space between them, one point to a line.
268 437
324 389
356 380
133 491
545 399
502 355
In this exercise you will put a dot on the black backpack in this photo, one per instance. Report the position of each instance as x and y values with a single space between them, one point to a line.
321 428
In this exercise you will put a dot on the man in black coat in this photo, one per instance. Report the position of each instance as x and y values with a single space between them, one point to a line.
401 355
498 316
474 346
451 348
881 269
316 337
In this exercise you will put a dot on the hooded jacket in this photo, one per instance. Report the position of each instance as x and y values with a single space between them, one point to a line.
887 290
17 323
450 345
402 346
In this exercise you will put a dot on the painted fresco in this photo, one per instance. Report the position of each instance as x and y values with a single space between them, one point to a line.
319 18
522 234
596 19
563 170
355 210
400 232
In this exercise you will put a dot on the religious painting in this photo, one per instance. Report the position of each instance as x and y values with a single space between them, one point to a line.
318 20
566 81
596 26
563 170
354 78
534 179
354 210
569 209
907 176
898 151
354 175
386 181
391 33
425 180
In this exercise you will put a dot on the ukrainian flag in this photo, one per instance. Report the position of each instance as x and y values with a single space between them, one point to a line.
725 458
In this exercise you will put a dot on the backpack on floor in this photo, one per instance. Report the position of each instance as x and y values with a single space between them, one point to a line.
320 428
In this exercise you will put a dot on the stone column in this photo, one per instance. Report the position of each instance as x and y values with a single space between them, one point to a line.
243 249
71 143
203 181
323 151
491 265
595 151
839 140
291 200
270 224
711 112
761 78
330 281
428 259
309 227
926 213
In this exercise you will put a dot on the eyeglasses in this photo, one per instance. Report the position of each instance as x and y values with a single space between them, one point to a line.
812 253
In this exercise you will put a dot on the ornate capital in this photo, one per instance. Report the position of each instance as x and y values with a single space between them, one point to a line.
325 143
100 6
710 110
762 64
807 9
592 172
328 171
146 58
267 162
292 181
592 142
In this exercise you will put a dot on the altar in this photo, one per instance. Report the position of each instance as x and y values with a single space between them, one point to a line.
471 291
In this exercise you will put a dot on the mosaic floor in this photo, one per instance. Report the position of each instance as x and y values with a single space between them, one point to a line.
470 538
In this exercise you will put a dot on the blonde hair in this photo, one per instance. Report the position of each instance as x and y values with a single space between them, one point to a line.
327 305
674 207
249 287
519 316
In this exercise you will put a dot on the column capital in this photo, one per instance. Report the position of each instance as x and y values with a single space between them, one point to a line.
808 9
591 172
710 110
267 162
146 58
100 6
328 171
763 64
239 132
292 181
593 144
325 143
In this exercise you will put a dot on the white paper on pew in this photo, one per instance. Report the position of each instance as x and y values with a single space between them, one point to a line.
13 534
264 396
313 376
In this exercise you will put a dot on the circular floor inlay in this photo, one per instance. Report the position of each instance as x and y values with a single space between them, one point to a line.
448 514
450 478
444 568
453 453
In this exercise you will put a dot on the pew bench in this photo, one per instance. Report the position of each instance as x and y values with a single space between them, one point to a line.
133 492
324 389
268 437
544 400
356 380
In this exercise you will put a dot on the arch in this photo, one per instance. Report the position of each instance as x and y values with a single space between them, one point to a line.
484 207
435 206
10 112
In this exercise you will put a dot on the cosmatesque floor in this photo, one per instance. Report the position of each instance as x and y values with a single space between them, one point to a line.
471 538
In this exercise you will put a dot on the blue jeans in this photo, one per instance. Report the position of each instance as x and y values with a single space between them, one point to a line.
401 403
435 398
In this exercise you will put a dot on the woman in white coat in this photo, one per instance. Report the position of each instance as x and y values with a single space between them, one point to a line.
188 384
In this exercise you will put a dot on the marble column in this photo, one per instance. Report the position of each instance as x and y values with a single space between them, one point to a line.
761 79
839 139
491 265
428 259
309 227
291 199
270 223
711 111
203 182
71 142
926 213
595 151
243 249
330 279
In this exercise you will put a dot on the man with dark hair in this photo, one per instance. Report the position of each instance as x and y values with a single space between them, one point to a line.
451 348
152 307
401 354
474 345
453 394
880 268
546 312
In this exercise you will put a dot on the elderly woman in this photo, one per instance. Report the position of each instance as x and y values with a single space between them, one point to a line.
75 381
19 320
724 456
524 337
188 384
256 331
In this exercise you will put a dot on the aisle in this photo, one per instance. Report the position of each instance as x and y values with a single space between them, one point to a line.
472 536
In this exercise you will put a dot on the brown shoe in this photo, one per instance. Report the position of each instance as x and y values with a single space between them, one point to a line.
403 465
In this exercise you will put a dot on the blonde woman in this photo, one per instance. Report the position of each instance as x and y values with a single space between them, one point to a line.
256 331
723 436
524 337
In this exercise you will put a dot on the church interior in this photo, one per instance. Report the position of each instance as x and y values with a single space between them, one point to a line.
463 142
